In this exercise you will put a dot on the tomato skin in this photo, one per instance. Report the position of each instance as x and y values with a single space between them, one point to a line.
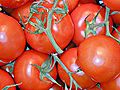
86 1
6 79
12 39
12 3
69 58
94 88
111 85
23 10
116 18
113 5
30 75
98 53
115 34
62 35
78 17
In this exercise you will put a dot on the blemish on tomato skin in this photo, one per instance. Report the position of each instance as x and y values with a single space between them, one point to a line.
3 37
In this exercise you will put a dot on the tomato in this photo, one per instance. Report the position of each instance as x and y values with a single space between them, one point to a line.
115 34
5 80
99 57
71 3
111 85
12 39
116 18
29 75
78 17
61 33
113 5
94 88
69 58
56 87
12 3
23 10
87 1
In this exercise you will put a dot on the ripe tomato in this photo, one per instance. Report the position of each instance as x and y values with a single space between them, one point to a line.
5 80
111 85
29 75
69 58
78 17
115 34
113 5
23 10
99 57
12 3
62 33
86 1
116 18
12 39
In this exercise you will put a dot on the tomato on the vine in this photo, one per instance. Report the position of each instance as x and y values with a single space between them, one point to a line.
111 85
12 39
12 3
99 57
62 32
112 4
79 15
56 87
69 58
6 80
86 1
29 75
116 18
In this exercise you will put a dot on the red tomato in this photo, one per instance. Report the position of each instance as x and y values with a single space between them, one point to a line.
24 12
29 75
62 33
56 87
12 3
99 57
115 34
78 17
116 18
112 85
87 1
112 4
5 80
94 88
12 39
69 58
71 3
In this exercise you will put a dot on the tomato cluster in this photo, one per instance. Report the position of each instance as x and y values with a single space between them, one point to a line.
59 45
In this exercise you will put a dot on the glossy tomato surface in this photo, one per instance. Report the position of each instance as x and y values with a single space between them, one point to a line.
99 57
69 58
112 4
5 80
29 75
70 3
12 3
86 1
12 39
23 10
115 34
111 85
78 17
62 33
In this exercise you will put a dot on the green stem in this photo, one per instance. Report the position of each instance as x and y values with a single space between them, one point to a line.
48 29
